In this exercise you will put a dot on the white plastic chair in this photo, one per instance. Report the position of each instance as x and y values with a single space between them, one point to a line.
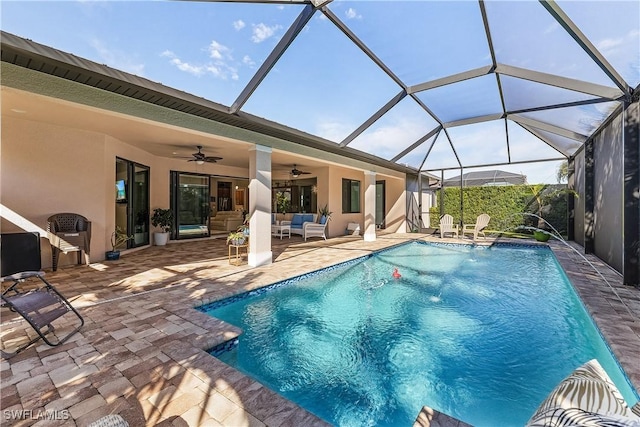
481 223
447 226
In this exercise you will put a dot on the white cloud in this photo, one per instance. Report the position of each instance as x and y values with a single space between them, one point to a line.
333 130
609 44
352 14
117 59
262 32
389 140
222 71
239 24
218 51
246 60
221 67
182 66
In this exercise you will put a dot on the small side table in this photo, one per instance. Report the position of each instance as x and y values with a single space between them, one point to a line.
279 230
236 259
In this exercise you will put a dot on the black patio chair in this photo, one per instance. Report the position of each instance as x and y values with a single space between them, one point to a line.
31 295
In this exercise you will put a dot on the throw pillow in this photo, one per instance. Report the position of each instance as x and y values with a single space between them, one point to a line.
587 394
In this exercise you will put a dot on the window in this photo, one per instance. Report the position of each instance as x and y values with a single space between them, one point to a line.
350 196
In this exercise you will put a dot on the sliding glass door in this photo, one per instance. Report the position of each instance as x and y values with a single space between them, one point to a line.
190 204
132 201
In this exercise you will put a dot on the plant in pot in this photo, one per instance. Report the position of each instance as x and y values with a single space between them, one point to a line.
118 237
244 228
325 213
163 219
282 203
236 238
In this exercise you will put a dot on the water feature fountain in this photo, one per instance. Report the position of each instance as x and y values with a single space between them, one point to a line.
556 235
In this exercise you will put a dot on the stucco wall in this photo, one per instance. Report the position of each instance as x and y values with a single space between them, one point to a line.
48 169
394 200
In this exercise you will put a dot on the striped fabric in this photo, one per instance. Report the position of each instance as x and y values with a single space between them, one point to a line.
587 397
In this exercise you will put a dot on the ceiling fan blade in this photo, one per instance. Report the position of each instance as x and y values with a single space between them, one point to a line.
212 159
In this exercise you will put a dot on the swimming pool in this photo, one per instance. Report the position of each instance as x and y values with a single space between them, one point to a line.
480 333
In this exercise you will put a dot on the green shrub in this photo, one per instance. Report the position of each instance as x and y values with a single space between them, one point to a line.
505 205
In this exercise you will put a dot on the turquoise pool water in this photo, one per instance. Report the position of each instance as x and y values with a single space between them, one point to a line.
482 334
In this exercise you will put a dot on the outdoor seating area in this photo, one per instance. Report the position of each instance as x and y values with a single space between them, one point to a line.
379 141
298 222
140 353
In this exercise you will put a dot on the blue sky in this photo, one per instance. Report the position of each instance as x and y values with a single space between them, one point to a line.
326 86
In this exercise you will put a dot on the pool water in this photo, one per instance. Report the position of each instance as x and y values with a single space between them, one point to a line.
480 333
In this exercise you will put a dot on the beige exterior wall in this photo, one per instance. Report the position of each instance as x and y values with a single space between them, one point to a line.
48 169
50 163
396 203
395 199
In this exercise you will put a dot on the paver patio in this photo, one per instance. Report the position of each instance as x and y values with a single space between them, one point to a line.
141 352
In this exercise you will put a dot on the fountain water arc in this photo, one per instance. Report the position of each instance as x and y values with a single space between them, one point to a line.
556 235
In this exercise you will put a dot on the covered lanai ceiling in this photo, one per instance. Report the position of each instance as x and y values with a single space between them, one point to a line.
426 84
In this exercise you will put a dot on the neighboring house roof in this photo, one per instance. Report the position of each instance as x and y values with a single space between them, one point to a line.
494 177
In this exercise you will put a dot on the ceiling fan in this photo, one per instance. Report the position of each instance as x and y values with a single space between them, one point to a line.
295 172
200 158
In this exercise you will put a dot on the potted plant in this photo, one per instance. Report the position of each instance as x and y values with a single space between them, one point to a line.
324 213
541 235
236 238
163 219
244 228
118 237
282 203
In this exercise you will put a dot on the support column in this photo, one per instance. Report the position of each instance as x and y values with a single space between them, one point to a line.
369 206
260 206
631 195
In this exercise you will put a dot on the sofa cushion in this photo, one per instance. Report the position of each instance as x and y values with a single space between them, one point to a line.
308 218
586 397
297 220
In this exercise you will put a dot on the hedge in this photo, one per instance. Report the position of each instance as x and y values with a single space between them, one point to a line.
506 205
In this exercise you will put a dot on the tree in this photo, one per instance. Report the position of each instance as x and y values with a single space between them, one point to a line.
562 173
545 198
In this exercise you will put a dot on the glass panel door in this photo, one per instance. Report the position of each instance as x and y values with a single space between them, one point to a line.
190 204
122 198
140 205
132 202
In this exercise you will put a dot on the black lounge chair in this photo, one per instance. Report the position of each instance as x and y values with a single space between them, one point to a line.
41 304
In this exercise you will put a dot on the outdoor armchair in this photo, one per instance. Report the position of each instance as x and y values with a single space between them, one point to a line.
478 228
447 226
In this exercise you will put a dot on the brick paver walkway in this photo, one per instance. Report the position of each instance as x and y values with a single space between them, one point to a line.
140 353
